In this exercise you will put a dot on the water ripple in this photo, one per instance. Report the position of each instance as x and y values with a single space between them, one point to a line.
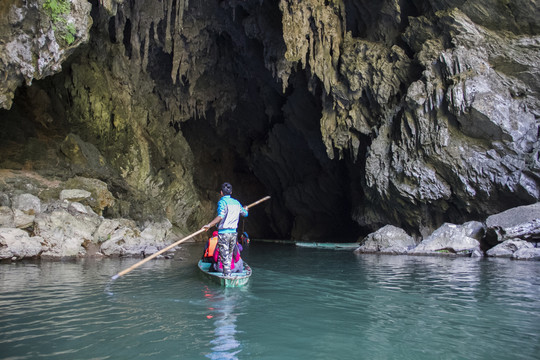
301 304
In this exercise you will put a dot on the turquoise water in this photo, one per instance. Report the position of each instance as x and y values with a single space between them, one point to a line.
300 303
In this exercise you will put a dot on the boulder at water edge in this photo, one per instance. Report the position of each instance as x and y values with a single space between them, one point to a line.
519 223
17 244
389 240
452 239
516 249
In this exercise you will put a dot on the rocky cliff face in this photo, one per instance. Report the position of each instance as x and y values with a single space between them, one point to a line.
351 114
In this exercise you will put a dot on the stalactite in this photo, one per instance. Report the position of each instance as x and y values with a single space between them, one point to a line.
146 40
155 28
177 57
118 26
168 32
178 42
180 6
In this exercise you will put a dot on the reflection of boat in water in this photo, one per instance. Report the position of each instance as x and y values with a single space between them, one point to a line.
223 309
234 280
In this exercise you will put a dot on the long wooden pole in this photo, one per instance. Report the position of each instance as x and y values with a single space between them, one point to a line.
124 272
258 202
145 260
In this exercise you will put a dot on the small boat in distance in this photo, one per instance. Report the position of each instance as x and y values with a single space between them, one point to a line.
331 246
234 280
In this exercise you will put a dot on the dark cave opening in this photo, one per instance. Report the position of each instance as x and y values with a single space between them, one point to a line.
218 160
269 143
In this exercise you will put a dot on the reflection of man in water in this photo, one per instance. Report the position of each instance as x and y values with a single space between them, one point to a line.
224 345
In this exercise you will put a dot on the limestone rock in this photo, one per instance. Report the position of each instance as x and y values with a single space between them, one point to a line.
495 133
6 217
75 208
4 199
522 222
448 239
508 248
22 220
99 197
33 45
157 233
397 112
16 243
65 235
388 240
84 157
109 226
527 254
25 207
74 194
123 241
121 237
27 203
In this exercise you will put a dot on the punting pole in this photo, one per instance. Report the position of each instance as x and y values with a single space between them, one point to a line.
258 202
145 260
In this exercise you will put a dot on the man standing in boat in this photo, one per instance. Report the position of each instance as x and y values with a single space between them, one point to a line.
228 213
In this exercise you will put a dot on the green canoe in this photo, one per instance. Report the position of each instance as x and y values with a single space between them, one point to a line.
234 280
333 246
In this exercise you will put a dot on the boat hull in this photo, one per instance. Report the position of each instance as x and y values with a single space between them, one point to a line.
234 280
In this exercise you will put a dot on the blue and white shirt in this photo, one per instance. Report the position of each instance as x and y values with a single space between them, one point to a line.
229 210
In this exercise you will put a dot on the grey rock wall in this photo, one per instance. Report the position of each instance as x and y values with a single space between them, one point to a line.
351 114
38 225
34 43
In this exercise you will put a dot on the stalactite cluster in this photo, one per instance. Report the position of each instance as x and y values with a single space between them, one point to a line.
352 114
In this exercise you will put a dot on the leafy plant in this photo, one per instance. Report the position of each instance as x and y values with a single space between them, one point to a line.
443 251
70 34
57 10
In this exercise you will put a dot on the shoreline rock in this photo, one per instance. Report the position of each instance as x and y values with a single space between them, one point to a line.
71 225
513 234
452 239
387 240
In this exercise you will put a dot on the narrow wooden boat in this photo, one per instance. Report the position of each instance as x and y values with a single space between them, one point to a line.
333 246
234 280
